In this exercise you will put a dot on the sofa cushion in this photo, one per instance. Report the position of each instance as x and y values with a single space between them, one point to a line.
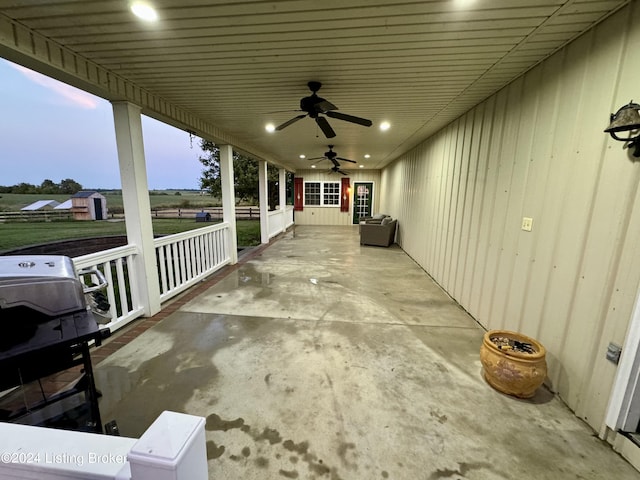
386 220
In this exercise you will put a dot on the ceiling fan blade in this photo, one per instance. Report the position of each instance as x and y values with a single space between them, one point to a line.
344 173
289 122
325 127
283 111
324 106
316 158
345 160
350 118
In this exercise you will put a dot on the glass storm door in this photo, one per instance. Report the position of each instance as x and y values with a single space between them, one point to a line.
362 200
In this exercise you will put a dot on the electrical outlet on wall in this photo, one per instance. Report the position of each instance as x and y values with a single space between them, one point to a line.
527 224
613 353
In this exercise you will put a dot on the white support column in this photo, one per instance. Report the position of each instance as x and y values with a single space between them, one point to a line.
137 208
264 202
229 198
282 196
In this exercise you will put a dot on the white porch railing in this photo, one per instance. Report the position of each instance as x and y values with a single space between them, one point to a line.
186 258
279 221
116 264
29 452
183 259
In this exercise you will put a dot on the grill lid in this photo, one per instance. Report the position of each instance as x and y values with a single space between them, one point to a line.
57 266
45 283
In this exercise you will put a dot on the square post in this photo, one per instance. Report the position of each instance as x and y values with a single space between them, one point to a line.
229 199
282 196
137 207
264 201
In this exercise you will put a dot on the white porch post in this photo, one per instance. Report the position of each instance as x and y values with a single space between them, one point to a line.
229 199
282 196
264 202
135 198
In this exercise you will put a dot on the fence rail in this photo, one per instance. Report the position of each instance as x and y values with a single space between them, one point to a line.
242 213
36 216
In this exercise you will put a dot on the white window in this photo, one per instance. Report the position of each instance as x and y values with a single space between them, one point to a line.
322 194
331 193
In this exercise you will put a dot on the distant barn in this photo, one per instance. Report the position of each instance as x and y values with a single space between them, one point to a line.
41 205
88 205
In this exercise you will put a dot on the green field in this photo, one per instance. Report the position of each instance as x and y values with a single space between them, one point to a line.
21 234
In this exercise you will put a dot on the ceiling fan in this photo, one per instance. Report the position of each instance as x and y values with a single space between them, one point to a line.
314 106
333 157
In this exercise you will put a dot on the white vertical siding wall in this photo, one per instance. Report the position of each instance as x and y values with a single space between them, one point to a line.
333 215
537 149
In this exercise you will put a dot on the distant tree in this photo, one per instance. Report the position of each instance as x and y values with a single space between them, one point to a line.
246 179
47 186
69 186
210 180
24 188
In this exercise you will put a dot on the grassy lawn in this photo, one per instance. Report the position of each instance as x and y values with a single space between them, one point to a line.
19 234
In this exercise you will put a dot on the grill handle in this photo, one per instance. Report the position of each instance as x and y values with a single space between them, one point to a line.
93 271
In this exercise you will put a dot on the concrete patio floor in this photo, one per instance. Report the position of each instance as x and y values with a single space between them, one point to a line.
317 358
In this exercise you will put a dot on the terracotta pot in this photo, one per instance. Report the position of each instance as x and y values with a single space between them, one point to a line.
511 372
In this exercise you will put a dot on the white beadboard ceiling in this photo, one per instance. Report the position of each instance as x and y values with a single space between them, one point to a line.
416 64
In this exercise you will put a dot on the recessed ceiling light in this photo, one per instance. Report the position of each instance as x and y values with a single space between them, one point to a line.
303 156
361 166
313 166
270 127
367 155
385 126
144 11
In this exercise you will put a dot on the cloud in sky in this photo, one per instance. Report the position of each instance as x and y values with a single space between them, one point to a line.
68 93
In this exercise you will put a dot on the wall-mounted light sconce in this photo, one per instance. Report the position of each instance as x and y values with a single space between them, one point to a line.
627 119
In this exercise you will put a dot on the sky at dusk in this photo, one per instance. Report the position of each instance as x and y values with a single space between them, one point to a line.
50 130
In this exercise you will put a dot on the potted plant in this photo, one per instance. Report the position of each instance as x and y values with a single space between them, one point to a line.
513 363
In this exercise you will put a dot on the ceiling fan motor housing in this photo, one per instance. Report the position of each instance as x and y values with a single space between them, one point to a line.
330 154
314 105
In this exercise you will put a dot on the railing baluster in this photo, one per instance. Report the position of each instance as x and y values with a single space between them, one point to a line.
163 269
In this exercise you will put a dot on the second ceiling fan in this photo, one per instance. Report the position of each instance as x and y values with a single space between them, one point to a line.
333 157
315 106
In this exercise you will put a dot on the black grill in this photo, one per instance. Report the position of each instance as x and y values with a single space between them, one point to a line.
47 327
